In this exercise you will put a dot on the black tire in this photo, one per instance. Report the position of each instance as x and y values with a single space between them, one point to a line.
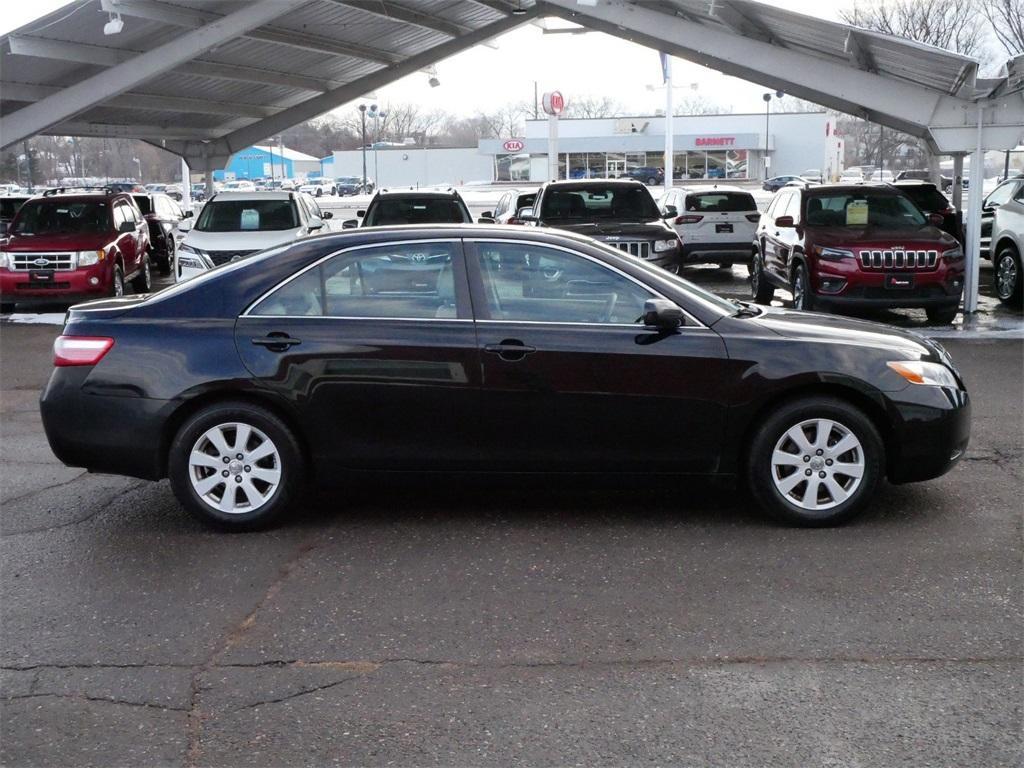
6 307
803 296
942 315
761 473
164 264
652 181
117 283
289 455
143 281
1009 282
725 265
319 192
760 289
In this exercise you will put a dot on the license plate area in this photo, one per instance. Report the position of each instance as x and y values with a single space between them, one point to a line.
726 228
899 282
41 276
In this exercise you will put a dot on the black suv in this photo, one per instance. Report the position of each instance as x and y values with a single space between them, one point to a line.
164 217
620 213
412 207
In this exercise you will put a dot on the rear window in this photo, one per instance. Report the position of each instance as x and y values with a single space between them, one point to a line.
53 217
721 202
416 210
927 198
599 201
863 209
247 216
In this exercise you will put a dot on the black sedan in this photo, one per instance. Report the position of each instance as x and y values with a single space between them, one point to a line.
487 348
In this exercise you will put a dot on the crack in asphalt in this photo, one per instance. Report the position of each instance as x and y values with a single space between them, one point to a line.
194 722
86 697
303 692
78 521
28 494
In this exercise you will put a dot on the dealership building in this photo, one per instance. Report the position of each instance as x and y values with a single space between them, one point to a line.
705 147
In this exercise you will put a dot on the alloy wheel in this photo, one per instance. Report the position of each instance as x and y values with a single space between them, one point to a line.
817 464
118 284
799 290
1006 276
755 277
234 468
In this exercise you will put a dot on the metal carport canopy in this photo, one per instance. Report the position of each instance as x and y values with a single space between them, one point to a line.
206 78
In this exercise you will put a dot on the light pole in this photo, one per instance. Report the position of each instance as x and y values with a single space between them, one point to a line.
377 117
767 111
362 118
139 164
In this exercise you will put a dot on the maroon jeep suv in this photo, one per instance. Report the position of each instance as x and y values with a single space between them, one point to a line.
856 246
67 246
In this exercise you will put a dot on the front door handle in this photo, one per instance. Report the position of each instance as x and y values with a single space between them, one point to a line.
510 350
276 342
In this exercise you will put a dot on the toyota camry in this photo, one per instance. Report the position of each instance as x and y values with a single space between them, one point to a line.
456 348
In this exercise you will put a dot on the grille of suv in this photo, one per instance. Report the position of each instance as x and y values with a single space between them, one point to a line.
223 257
897 259
23 262
639 248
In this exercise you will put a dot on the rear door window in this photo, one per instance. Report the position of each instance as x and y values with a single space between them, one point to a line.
721 202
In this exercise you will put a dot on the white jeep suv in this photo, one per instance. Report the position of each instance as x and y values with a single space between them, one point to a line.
233 225
319 188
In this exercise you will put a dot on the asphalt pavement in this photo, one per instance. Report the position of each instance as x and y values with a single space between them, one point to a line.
445 621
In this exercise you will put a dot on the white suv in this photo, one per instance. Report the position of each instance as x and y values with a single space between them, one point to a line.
233 225
319 188
716 225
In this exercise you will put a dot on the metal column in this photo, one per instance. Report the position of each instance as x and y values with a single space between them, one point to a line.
974 199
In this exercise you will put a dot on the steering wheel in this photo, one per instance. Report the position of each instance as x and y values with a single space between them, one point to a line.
609 308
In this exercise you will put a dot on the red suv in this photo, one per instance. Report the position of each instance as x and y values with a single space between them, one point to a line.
69 246
856 246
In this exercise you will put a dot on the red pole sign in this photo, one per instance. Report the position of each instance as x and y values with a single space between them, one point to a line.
553 102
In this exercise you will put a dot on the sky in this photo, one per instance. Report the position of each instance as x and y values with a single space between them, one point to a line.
592 64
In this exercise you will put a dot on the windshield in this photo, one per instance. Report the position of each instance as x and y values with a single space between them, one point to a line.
247 216
926 196
9 206
348 180
416 210
863 208
599 201
62 217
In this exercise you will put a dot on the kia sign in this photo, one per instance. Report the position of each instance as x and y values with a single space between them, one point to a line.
553 103
513 145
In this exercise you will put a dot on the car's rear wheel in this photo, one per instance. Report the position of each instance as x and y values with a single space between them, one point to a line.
815 461
143 281
235 466
760 289
942 315
1008 279
803 297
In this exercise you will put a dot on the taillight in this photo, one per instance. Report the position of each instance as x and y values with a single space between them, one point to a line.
754 217
80 350
688 219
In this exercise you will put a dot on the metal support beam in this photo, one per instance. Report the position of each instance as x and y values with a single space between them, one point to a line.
60 50
390 10
859 53
975 196
193 18
117 131
77 98
742 21
147 102
497 5
318 105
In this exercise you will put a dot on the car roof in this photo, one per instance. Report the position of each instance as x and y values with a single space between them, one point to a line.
584 183
417 193
712 188
266 195
885 188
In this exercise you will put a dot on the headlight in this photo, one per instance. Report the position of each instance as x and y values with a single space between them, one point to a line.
664 245
833 254
5 260
929 374
88 258
190 262
189 249
956 253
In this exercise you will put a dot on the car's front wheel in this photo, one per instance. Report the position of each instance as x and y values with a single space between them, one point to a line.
235 466
815 461
1008 279
803 296
143 281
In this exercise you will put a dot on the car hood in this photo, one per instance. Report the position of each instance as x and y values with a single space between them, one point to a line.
610 229
815 327
239 241
68 242
928 236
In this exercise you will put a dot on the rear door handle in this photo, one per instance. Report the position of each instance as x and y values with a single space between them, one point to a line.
510 350
276 342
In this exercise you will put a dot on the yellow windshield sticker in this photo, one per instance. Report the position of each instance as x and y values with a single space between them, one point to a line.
857 213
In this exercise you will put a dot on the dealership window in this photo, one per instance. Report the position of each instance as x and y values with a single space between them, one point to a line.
512 168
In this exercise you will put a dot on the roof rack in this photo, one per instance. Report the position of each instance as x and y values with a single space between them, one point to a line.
64 190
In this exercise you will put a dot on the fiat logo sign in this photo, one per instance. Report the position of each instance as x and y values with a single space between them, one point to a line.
513 145
553 102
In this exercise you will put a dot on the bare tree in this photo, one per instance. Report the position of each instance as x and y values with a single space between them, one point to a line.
1007 19
506 122
592 107
793 104
695 104
949 24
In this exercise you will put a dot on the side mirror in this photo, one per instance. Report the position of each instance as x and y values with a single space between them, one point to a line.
936 219
327 215
350 224
126 226
315 224
485 220
487 215
784 221
186 215
525 214
662 314
670 212
360 214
